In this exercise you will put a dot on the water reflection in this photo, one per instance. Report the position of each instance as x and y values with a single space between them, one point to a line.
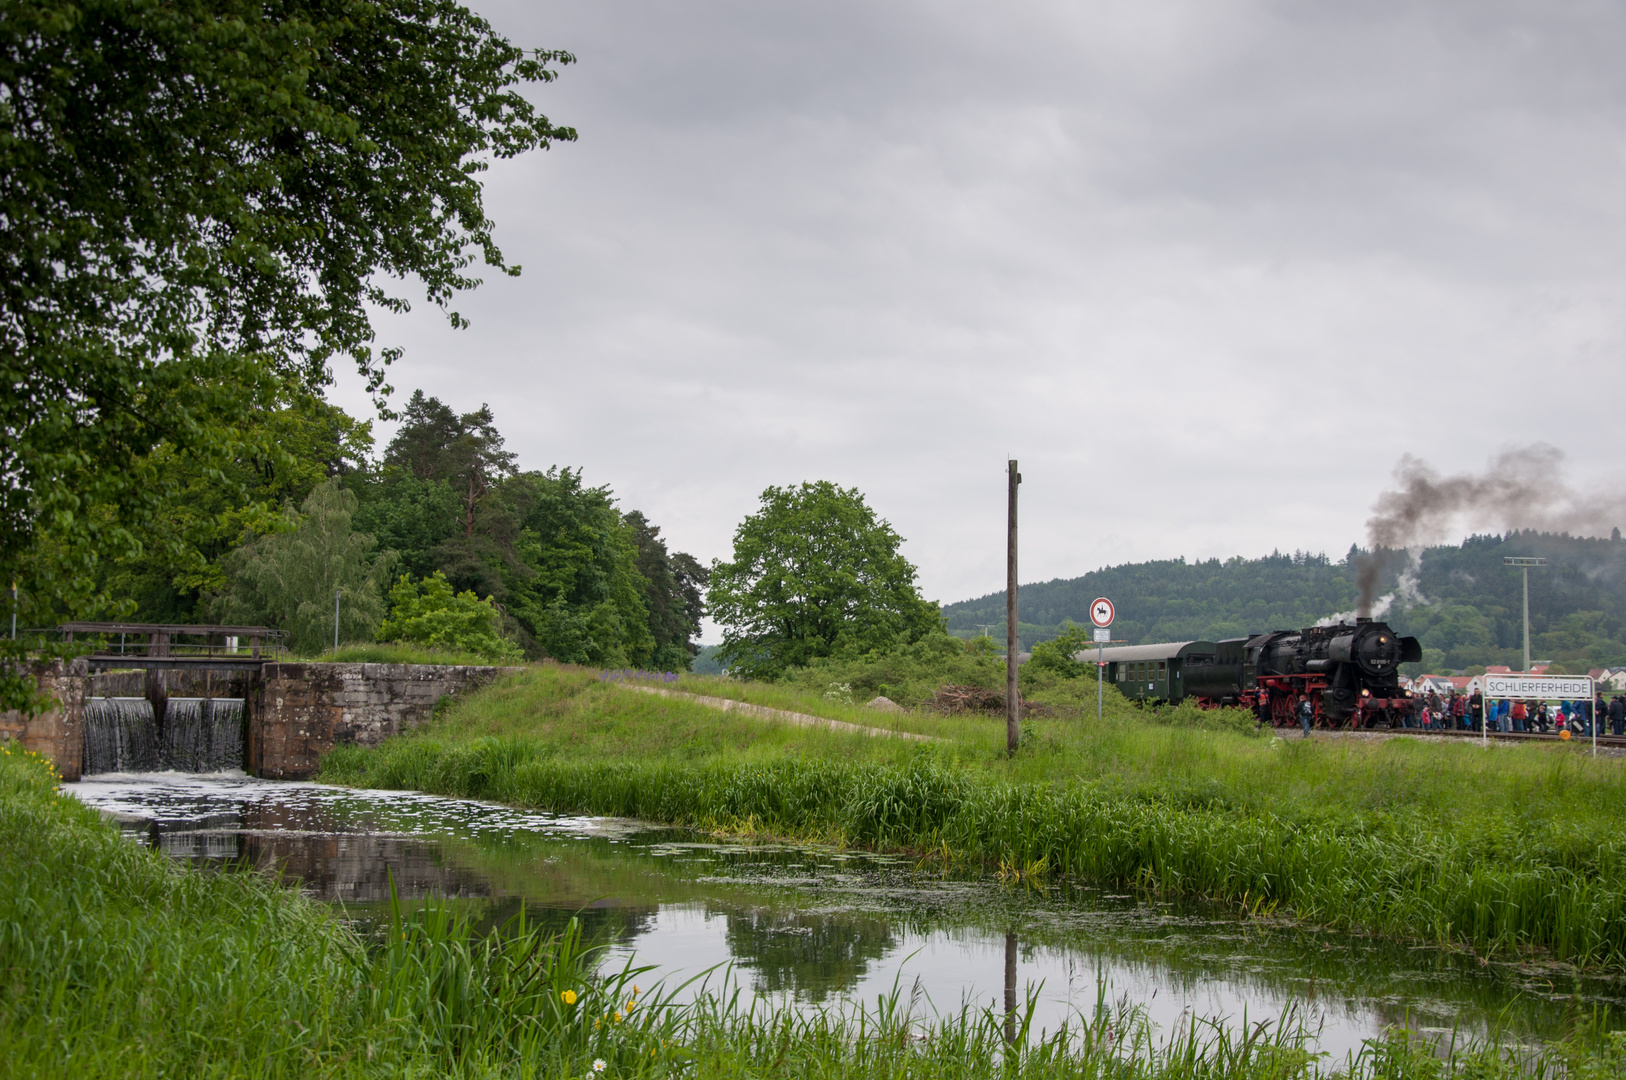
819 927
811 955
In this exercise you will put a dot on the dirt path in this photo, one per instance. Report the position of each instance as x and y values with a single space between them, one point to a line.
762 712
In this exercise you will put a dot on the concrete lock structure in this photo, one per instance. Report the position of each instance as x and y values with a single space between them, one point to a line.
292 712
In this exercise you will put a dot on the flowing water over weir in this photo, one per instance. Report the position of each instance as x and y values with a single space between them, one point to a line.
197 735
203 734
818 927
120 735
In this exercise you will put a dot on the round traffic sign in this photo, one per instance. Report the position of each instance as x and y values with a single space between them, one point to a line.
1101 611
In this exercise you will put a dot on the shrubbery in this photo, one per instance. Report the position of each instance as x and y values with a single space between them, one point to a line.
430 613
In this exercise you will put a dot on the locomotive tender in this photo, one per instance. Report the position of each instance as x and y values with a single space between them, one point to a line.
1350 672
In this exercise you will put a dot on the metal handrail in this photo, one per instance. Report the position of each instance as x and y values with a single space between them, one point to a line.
160 640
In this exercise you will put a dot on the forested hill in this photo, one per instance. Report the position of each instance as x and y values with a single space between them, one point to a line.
1465 605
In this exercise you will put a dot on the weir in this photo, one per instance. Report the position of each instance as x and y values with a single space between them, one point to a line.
121 734
201 713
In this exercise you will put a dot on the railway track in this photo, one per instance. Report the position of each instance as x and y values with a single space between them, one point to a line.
1614 741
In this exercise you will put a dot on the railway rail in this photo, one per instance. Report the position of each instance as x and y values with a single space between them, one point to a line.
1615 741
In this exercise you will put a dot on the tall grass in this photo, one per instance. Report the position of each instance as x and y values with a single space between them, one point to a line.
397 652
1503 850
119 962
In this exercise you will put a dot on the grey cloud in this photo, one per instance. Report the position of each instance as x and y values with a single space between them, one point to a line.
1209 269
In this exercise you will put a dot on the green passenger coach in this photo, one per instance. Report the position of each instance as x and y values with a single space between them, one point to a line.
1153 672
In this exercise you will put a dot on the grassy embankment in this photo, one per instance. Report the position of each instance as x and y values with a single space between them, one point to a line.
120 962
1511 849
395 652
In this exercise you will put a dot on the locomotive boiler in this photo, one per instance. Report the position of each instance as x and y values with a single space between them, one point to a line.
1349 671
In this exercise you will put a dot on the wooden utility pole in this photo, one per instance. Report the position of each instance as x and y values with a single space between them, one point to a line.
1012 706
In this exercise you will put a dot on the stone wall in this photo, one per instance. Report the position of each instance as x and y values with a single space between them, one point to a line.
300 711
57 732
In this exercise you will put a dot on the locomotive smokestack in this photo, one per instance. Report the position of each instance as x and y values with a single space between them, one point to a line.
1522 489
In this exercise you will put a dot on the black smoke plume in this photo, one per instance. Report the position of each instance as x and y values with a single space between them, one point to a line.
1522 489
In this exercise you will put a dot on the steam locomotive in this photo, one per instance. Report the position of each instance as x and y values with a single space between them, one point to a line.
1350 673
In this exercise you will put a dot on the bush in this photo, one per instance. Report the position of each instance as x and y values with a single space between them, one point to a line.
908 674
430 613
1057 654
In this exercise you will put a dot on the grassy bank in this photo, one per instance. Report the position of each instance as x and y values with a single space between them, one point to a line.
119 962
1514 848
396 652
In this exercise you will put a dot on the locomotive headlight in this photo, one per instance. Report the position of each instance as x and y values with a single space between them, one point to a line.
1366 693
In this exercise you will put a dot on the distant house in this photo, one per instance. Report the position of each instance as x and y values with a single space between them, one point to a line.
1612 678
1439 684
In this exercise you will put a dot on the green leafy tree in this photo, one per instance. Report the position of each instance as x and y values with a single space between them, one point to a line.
1058 653
415 518
577 591
672 589
430 613
291 445
288 579
200 196
815 573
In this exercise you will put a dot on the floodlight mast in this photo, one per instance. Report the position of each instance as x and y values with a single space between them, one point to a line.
1524 563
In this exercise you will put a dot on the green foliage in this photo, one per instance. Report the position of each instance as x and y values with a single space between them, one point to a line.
577 590
814 574
288 579
579 582
908 673
414 518
1057 653
465 452
430 613
290 444
672 589
202 198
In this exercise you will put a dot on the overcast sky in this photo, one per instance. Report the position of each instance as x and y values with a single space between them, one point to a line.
1207 269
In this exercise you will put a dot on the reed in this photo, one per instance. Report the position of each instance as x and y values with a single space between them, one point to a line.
119 962
1504 850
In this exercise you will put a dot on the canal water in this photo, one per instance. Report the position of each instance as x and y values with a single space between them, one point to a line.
818 927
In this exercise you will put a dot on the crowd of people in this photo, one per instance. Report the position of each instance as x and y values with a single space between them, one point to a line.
1471 712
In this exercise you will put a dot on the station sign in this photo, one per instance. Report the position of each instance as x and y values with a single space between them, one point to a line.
1538 687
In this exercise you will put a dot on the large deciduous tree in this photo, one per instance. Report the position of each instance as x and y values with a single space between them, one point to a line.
289 579
672 588
199 198
815 573
576 588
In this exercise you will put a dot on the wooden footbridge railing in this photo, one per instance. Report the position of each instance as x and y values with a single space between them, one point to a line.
155 645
